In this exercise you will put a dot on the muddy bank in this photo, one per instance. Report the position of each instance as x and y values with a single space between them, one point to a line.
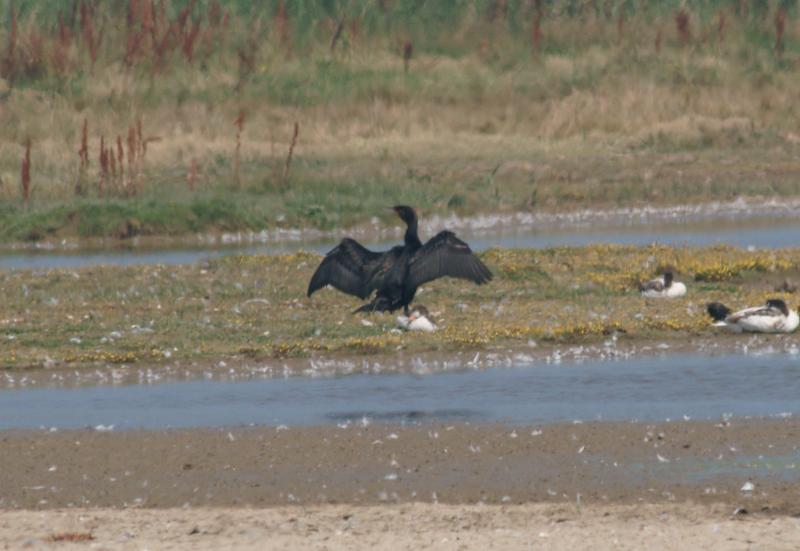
470 225
233 368
410 526
739 463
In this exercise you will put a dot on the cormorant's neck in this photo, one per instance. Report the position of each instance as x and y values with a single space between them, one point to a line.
411 237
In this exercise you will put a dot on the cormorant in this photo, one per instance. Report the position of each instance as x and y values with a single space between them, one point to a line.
396 274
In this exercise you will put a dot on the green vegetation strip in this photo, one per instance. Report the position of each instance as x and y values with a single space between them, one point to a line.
254 307
470 107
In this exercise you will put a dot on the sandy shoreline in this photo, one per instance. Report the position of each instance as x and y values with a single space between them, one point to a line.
624 485
412 526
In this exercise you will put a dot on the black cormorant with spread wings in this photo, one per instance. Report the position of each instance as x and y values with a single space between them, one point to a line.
396 274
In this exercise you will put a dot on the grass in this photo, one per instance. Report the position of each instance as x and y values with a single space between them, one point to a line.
596 115
254 307
341 193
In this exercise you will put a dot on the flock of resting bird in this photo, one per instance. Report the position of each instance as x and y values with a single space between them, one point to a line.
395 275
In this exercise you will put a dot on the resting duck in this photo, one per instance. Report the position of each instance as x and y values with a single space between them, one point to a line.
663 287
418 320
773 317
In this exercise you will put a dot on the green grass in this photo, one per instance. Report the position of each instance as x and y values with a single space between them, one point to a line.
92 218
255 306
332 194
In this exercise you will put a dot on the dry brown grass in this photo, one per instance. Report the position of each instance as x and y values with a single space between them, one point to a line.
25 176
624 88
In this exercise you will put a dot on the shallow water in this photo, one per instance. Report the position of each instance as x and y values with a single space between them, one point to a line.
759 233
669 387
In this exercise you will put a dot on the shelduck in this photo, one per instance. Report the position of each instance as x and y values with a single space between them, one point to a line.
418 320
663 287
773 317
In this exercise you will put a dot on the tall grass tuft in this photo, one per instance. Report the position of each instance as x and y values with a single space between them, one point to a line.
132 185
683 25
536 31
780 27
59 57
25 176
287 166
408 51
101 182
191 175
282 24
239 123
121 161
133 12
658 40
352 31
190 41
83 156
112 165
337 33
9 62
91 38
134 45
140 139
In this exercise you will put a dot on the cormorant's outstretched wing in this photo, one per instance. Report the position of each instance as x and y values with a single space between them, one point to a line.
345 267
446 255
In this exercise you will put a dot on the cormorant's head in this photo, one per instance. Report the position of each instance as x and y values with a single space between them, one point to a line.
778 304
405 213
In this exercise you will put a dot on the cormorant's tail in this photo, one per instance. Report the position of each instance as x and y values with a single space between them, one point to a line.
718 311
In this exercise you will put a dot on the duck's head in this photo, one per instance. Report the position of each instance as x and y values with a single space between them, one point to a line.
778 304
419 312
668 277
405 213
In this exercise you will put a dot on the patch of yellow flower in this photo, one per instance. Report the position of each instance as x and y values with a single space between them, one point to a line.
489 332
268 260
690 324
101 356
725 263
618 281
511 263
370 344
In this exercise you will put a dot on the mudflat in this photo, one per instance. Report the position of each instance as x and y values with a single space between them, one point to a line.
730 484
597 462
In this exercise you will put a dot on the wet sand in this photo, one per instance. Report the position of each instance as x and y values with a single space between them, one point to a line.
672 485
600 462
